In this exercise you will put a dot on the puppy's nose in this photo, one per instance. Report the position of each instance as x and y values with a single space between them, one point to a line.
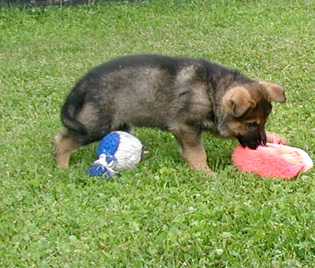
253 145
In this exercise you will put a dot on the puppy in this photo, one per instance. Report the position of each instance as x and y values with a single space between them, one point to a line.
182 95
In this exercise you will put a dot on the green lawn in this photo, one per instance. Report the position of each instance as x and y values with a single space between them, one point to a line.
159 214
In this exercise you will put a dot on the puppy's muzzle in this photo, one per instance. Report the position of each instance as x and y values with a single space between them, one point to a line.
253 140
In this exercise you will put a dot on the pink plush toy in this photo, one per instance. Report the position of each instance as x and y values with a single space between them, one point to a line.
272 160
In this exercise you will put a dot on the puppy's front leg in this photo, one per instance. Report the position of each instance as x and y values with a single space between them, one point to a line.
196 157
192 149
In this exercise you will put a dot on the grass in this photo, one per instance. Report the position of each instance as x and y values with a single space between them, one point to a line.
159 214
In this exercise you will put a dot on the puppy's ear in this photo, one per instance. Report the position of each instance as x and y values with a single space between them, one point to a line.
237 101
274 91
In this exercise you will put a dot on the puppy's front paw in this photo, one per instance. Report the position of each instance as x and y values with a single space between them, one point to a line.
273 137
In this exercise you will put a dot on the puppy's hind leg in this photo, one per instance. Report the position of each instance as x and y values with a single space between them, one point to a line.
126 127
65 144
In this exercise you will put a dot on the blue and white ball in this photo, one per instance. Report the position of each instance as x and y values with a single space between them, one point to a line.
117 150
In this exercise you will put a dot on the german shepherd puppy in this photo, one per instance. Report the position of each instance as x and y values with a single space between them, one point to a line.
182 95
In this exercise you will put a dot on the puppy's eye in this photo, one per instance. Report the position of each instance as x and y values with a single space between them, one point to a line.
252 125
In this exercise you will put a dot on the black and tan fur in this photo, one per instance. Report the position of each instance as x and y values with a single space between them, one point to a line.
182 95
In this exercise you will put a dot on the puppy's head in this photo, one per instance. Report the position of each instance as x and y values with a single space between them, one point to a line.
246 108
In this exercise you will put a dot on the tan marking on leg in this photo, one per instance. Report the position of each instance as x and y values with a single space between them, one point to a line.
65 144
191 147
196 158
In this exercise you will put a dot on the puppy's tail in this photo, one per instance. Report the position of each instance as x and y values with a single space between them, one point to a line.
69 112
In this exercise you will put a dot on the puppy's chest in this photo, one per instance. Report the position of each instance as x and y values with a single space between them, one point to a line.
202 107
209 122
